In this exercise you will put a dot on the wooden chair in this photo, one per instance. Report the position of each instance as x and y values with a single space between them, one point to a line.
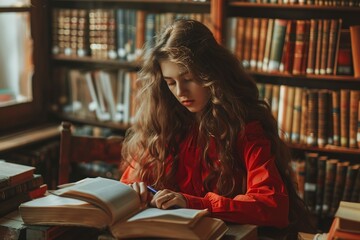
77 149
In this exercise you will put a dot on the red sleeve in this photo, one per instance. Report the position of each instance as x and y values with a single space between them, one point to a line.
266 201
130 175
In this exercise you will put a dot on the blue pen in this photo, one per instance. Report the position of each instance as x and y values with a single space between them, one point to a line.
154 191
151 189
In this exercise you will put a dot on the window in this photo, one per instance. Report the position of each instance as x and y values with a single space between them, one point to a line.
23 49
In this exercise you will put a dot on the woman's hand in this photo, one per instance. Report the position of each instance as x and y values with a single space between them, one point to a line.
165 199
141 189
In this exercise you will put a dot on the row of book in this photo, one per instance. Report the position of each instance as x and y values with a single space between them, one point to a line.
299 47
344 3
324 181
313 117
108 33
98 94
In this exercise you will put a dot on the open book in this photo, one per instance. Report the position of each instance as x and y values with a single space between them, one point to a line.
106 203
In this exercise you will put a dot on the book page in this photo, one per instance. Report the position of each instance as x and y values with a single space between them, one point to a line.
182 215
116 198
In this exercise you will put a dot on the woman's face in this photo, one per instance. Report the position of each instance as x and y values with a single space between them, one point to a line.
185 88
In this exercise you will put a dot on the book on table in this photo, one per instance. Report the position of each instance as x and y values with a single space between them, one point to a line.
12 174
106 203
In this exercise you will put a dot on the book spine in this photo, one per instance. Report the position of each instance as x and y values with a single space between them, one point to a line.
330 176
344 59
287 59
333 37
312 118
353 118
344 117
267 49
336 116
355 47
311 160
318 47
339 185
304 116
350 179
255 43
322 117
295 131
240 37
262 42
247 43
31 184
325 46
320 183
310 68
277 44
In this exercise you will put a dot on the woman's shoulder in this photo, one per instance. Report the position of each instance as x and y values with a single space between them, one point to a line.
253 127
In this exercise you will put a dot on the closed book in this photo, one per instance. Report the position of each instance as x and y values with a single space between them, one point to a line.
31 184
350 179
336 232
311 171
287 58
348 215
336 116
324 46
247 42
355 195
277 44
330 176
297 111
323 117
335 26
312 118
16 173
320 183
255 40
269 33
353 118
355 48
344 117
310 67
240 37
301 46
304 116
339 185
262 42
317 67
344 58
275 101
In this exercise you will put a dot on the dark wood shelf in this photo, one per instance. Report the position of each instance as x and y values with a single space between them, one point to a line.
29 136
326 149
15 9
311 81
93 62
148 5
350 15
117 126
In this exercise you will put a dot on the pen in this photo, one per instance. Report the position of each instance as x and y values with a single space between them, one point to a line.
151 189
154 191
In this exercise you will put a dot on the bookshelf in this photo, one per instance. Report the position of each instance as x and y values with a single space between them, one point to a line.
317 83
62 63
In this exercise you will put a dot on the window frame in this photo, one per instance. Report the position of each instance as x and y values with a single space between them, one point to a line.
29 114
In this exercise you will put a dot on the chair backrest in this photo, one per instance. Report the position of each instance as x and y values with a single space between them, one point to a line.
76 149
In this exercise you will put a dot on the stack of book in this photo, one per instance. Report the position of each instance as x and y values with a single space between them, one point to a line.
346 224
18 184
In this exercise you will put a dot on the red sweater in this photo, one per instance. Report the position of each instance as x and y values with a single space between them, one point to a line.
265 202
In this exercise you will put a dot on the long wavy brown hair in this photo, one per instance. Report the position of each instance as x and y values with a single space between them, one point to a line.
161 121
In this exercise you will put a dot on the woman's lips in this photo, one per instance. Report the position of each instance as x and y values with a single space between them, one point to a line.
187 103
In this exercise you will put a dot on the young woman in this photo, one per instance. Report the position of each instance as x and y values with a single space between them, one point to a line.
203 138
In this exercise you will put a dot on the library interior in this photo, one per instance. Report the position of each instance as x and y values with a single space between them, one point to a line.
68 96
